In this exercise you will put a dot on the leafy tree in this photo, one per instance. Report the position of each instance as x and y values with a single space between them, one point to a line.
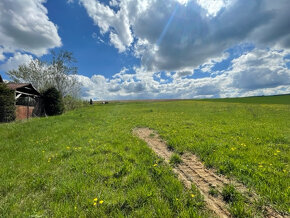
58 73
53 102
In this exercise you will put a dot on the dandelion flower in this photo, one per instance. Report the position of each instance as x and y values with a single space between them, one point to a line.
192 195
278 151
155 165
95 199
101 201
95 203
67 147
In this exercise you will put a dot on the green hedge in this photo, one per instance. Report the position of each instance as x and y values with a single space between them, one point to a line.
7 104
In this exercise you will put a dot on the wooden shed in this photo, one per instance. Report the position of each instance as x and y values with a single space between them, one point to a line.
27 100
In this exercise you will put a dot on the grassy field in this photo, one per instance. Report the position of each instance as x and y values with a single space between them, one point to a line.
88 163
279 99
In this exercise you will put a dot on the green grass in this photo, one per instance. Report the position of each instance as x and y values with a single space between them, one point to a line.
56 166
213 192
175 159
279 99
238 207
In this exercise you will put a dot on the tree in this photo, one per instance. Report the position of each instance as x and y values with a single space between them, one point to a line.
58 73
53 102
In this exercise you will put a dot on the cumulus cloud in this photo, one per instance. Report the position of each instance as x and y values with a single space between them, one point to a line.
174 35
116 23
2 57
257 72
260 69
174 38
13 62
25 26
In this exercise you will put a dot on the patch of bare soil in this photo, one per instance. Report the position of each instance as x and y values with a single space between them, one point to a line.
192 170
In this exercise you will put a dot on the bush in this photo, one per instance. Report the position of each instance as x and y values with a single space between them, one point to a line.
53 102
7 104
71 103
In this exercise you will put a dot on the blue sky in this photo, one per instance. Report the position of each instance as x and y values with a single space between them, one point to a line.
80 35
137 49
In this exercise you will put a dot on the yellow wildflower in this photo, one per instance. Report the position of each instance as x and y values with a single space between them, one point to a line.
192 195
278 151
95 203
95 199
101 201
67 147
155 165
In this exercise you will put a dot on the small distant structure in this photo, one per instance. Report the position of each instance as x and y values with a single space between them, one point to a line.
28 100
91 101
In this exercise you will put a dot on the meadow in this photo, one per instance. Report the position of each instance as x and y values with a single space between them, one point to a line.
88 163
278 99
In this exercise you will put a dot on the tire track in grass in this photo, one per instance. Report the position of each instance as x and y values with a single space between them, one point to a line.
192 170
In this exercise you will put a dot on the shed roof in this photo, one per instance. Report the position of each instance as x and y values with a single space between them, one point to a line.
24 88
15 86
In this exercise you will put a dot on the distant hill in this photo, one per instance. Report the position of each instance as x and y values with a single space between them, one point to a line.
274 99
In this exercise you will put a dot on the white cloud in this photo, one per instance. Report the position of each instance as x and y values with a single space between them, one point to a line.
212 7
260 69
116 23
258 72
178 34
2 57
13 62
25 26
172 38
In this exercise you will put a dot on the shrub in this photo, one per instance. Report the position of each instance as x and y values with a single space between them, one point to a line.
71 103
53 102
7 104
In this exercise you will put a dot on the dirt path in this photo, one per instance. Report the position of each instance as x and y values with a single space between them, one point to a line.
191 170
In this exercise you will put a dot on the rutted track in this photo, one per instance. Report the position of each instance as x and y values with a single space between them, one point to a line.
191 170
